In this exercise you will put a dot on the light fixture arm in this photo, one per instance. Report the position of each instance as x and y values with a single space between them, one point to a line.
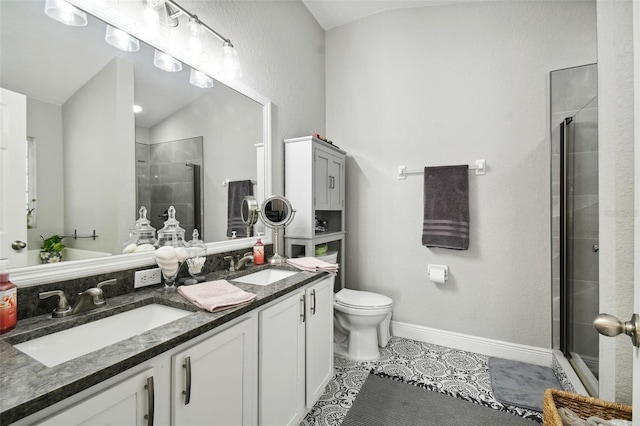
181 10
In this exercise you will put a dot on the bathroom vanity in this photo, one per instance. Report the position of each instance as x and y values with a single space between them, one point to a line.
264 363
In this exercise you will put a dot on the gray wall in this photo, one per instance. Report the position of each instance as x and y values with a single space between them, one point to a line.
98 127
454 84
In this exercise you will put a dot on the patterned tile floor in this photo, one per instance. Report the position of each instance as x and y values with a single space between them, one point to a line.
450 370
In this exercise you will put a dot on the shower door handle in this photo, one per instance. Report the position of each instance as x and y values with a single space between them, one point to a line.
611 326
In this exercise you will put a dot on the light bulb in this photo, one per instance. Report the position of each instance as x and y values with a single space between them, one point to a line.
230 62
120 39
66 13
200 79
166 62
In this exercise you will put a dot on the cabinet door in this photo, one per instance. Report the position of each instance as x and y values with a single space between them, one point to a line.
282 362
319 339
322 185
127 403
214 382
336 178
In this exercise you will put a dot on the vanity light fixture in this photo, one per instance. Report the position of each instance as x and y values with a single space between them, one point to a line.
230 62
64 12
230 67
137 109
155 17
194 45
200 79
166 62
120 39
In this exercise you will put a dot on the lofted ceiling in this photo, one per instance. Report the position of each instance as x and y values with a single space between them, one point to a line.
333 13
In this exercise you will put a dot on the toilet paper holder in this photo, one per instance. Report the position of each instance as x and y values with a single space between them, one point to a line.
436 267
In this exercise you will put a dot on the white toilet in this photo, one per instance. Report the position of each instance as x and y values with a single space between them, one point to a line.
361 321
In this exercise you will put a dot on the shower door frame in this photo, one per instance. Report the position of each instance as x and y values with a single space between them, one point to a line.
566 209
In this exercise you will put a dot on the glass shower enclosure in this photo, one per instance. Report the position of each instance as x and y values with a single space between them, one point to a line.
574 218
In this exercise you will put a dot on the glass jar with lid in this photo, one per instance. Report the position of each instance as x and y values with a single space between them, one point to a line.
142 237
171 234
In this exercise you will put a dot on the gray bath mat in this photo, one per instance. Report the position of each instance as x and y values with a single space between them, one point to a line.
520 384
389 401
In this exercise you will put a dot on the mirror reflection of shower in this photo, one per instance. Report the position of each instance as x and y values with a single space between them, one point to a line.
170 174
574 221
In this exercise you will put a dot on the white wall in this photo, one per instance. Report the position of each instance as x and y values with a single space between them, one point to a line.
615 135
231 125
44 124
97 119
448 85
281 48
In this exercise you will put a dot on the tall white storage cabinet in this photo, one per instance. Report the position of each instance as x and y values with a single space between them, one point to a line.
315 186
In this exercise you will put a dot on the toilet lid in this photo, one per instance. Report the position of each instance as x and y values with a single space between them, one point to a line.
362 299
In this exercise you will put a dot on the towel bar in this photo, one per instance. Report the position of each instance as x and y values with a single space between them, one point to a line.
479 167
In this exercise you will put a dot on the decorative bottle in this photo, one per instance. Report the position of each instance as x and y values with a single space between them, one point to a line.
258 253
8 299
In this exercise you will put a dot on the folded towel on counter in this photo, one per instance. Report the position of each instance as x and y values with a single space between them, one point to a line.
446 207
215 296
236 193
313 264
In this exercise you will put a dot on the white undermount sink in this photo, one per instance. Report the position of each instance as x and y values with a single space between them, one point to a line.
265 277
56 348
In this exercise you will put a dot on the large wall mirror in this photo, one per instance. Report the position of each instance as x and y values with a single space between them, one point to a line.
94 162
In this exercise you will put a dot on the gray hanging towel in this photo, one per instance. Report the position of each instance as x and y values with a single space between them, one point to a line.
237 191
446 207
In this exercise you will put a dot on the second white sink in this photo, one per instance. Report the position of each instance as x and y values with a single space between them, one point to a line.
265 277
65 345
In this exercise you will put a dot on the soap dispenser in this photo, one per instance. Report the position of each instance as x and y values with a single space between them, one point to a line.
8 299
258 251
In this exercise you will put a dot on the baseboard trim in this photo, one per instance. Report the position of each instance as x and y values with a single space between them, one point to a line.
481 345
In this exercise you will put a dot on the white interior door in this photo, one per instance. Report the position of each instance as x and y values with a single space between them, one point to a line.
13 137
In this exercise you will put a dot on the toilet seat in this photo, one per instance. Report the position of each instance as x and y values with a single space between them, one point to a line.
362 299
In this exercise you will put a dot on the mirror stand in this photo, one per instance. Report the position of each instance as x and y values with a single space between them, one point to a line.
277 258
277 213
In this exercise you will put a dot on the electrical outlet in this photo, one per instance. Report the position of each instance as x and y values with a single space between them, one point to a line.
147 277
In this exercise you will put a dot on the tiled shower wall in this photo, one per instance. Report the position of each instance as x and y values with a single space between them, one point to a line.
574 94
165 180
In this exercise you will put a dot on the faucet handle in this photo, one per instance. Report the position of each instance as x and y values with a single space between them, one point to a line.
63 309
249 253
107 282
232 265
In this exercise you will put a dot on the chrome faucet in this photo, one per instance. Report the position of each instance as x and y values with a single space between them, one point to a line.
88 300
242 263
239 263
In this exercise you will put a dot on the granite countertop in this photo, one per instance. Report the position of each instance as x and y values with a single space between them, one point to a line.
28 386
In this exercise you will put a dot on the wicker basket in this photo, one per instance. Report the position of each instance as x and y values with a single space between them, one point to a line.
583 406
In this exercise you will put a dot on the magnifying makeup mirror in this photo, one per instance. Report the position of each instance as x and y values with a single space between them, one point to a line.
276 213
249 213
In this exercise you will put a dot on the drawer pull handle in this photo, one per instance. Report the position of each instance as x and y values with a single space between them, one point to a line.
313 305
150 400
187 393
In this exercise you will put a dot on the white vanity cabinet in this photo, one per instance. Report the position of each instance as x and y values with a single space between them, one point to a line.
215 381
223 386
129 402
296 353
